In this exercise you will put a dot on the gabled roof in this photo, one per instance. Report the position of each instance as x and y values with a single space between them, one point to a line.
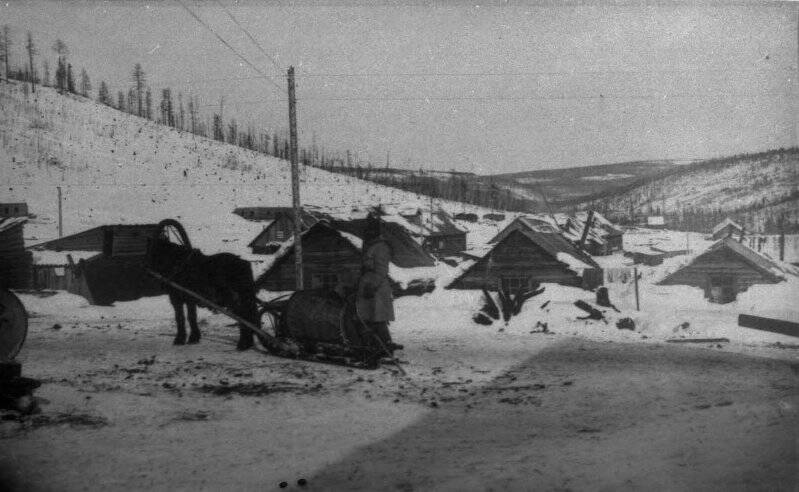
545 235
73 241
536 223
8 223
404 246
440 224
724 223
765 266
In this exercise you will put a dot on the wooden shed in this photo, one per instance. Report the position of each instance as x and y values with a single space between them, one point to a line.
115 272
526 251
15 262
726 269
727 228
436 231
602 237
330 255
278 226
14 209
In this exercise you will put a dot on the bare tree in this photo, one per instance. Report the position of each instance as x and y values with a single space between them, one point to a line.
102 94
31 49
148 100
139 80
85 83
5 45
61 72
45 73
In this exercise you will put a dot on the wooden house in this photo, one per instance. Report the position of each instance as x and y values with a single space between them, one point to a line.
530 250
602 238
278 226
727 228
103 264
726 269
436 231
15 262
16 209
330 255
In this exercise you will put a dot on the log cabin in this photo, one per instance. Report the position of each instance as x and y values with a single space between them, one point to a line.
726 269
528 251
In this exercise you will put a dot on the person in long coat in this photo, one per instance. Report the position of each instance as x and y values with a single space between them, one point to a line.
374 301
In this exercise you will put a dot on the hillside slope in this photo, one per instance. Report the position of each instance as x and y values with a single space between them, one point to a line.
117 168
754 188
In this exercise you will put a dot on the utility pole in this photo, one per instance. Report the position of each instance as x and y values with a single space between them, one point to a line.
221 108
60 216
295 180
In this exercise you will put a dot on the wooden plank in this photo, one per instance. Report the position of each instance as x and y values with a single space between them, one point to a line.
782 327
698 340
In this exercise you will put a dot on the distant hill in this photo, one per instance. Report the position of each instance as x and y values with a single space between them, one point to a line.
758 190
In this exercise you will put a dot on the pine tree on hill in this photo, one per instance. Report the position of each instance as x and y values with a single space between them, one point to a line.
5 46
219 133
31 49
102 94
61 76
139 81
85 83
121 101
61 72
45 73
70 79
148 101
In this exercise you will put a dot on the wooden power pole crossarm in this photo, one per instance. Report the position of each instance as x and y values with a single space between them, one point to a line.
295 181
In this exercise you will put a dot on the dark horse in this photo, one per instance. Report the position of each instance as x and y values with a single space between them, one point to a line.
223 278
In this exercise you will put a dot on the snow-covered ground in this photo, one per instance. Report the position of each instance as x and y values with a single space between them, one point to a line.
583 406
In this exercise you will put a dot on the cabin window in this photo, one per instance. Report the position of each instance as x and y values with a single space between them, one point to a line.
280 235
326 281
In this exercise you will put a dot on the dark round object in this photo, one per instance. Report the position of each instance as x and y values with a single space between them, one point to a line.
283 485
302 482
13 325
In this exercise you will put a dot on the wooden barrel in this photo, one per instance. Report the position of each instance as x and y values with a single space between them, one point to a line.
321 317
13 325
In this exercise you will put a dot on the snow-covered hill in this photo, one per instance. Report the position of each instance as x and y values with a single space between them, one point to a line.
113 167
755 186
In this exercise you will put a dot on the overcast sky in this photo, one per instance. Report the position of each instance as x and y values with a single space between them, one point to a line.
446 85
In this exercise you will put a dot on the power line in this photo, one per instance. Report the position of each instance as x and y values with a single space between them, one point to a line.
517 98
180 2
274 62
490 74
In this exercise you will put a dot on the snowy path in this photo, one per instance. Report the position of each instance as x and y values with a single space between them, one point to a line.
481 410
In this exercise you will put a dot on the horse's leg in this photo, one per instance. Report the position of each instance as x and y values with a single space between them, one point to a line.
180 320
249 311
194 336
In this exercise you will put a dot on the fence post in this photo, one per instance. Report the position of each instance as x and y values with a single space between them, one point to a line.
635 277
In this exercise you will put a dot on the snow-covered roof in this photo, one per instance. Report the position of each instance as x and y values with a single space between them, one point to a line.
766 266
726 222
7 223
